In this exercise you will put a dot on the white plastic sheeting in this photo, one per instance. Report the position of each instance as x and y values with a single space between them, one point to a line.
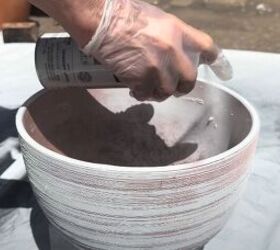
255 224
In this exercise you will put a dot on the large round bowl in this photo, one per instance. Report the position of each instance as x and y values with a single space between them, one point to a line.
112 173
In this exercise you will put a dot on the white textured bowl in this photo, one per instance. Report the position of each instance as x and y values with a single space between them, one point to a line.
105 206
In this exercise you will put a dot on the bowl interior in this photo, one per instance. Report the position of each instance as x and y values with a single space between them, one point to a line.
107 126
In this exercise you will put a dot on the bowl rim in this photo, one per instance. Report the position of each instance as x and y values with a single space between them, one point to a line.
101 166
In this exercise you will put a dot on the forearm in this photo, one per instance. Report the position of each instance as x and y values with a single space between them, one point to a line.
78 17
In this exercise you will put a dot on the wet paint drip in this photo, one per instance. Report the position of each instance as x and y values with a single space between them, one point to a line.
211 120
194 99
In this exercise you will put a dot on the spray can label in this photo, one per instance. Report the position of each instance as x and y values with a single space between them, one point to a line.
60 63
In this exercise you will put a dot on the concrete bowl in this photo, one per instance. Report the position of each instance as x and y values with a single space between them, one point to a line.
112 173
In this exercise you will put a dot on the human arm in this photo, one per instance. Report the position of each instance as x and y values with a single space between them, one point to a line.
153 52
80 18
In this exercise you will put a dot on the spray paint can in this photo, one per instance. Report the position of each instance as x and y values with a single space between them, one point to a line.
60 63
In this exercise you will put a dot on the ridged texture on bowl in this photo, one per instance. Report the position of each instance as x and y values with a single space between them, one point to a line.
140 209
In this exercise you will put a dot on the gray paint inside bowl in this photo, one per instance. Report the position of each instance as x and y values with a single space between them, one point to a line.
106 126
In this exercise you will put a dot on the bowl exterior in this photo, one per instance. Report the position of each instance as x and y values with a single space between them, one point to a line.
147 208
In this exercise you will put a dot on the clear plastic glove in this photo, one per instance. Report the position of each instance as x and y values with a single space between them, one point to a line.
153 52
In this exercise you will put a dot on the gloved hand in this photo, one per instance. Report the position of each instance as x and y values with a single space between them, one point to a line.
153 52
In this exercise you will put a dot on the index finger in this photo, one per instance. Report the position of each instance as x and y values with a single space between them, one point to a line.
210 53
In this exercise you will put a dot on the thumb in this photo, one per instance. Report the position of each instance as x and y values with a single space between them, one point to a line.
218 63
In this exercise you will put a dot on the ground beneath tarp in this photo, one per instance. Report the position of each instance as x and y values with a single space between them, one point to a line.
244 28
236 29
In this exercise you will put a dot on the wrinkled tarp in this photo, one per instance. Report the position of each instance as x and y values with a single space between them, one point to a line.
255 223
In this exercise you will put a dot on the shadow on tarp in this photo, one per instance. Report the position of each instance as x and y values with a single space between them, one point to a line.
18 194
7 130
7 123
